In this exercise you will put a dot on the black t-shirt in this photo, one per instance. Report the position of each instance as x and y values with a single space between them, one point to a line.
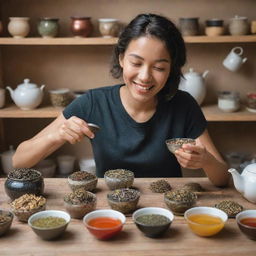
140 147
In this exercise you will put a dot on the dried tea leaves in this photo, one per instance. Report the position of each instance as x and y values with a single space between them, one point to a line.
181 195
82 175
28 202
4 218
153 219
24 174
119 174
230 207
193 187
124 195
160 186
80 196
49 222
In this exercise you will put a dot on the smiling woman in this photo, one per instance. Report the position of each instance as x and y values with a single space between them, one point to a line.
138 116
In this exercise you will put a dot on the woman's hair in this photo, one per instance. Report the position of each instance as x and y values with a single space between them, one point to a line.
163 29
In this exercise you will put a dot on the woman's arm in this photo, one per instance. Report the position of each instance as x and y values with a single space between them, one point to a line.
61 130
204 155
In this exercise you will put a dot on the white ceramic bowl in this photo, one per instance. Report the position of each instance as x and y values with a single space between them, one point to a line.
49 233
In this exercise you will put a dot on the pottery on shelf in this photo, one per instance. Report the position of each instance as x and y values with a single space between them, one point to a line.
19 27
108 27
81 26
48 27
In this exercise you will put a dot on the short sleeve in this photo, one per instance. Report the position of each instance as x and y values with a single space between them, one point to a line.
80 107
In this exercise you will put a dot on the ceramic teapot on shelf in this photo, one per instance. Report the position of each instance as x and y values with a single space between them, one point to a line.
246 182
27 96
194 84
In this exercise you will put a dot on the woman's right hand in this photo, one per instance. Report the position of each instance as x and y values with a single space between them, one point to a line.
73 130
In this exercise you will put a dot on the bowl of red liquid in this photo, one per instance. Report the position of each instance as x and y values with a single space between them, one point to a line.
104 224
246 221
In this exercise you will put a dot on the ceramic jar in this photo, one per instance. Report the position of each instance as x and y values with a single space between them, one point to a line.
253 26
251 102
81 26
108 27
2 97
48 27
228 101
19 27
239 26
214 27
189 26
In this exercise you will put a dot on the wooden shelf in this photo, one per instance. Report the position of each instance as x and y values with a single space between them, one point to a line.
112 41
211 112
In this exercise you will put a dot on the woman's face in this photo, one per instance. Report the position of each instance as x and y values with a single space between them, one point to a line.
146 67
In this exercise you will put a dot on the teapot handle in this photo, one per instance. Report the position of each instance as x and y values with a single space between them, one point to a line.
205 73
42 87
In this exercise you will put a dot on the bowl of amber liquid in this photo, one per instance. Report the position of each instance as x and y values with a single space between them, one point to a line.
205 221
104 224
246 221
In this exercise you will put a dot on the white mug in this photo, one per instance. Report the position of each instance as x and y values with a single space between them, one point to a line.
2 97
234 59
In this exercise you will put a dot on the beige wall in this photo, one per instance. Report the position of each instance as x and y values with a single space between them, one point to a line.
83 67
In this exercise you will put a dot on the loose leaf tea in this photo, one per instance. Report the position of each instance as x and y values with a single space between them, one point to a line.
49 222
193 186
124 195
24 174
231 208
119 174
79 196
153 219
160 186
82 175
181 195
4 218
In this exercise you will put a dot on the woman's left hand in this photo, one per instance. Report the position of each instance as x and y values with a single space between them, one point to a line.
192 156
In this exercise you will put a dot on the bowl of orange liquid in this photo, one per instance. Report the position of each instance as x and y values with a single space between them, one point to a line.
246 221
104 224
205 221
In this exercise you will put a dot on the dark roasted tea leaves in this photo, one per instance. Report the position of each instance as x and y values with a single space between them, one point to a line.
24 174
160 186
82 175
153 219
49 222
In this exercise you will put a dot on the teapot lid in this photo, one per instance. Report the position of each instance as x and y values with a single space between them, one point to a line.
11 151
27 84
251 168
192 72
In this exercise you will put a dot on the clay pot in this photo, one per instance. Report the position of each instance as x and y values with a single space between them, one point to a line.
19 27
48 27
108 27
81 26
239 26
189 26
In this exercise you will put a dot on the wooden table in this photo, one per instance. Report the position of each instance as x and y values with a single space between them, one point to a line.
179 240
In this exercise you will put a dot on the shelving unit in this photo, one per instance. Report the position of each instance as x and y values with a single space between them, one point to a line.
112 41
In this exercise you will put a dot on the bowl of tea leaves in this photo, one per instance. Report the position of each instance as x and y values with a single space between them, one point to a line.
153 221
49 224
176 143
6 218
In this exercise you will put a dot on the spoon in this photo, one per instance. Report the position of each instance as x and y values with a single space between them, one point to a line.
93 127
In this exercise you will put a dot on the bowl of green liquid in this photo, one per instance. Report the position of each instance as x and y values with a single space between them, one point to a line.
153 221
49 224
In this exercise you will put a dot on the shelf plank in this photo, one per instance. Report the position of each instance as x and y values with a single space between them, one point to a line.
214 114
113 41
12 111
211 112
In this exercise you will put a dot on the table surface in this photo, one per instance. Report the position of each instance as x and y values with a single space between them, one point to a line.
178 240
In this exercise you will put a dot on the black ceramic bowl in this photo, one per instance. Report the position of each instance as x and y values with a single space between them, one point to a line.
248 230
15 188
153 230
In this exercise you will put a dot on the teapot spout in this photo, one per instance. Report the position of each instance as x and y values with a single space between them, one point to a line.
238 180
10 90
205 73
42 87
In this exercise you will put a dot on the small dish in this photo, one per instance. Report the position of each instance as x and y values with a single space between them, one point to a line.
80 203
124 200
53 232
205 221
176 143
82 179
153 228
104 224
119 178
246 221
180 200
6 218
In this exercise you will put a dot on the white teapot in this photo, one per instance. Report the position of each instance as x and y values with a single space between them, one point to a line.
194 84
27 95
246 182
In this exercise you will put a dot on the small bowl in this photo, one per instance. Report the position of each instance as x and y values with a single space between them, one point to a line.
15 188
49 233
123 206
248 230
5 226
88 185
77 211
60 97
175 144
23 215
104 233
152 230
179 207
205 229
125 179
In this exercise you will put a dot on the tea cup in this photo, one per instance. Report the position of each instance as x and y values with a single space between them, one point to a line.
234 59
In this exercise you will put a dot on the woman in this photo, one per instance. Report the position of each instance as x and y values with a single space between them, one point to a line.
138 116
